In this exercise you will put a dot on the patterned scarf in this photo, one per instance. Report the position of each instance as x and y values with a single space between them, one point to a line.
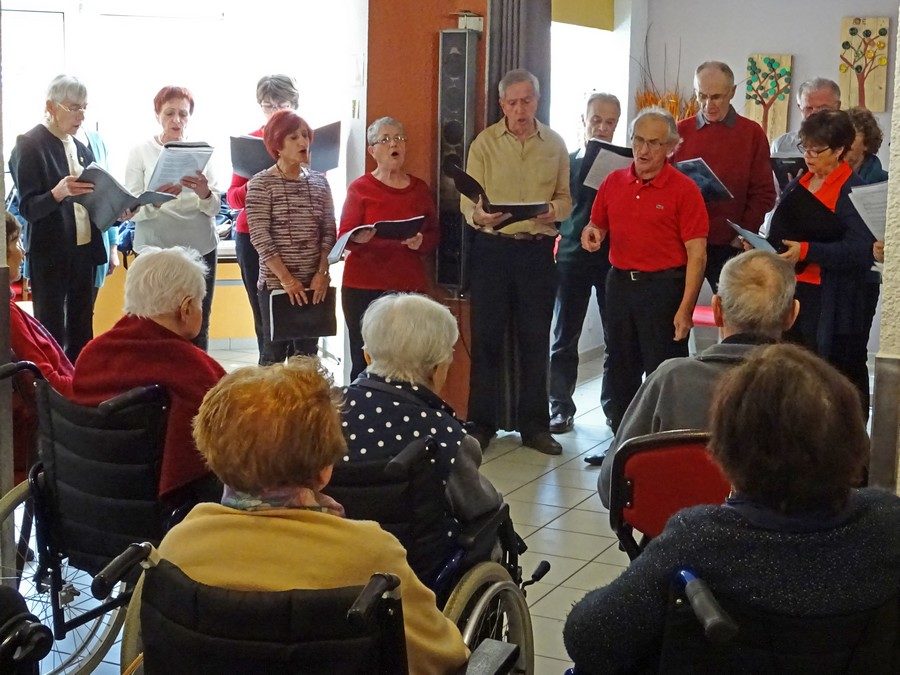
281 498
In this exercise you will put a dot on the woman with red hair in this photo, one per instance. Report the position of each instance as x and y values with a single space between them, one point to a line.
290 214
188 220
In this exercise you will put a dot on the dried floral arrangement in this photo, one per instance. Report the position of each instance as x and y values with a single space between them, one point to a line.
669 98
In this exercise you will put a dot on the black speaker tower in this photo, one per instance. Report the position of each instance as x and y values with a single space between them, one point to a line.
456 128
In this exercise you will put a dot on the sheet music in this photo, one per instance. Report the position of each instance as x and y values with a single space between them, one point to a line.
174 163
871 203
605 163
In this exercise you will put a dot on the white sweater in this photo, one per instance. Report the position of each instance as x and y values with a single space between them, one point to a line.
184 221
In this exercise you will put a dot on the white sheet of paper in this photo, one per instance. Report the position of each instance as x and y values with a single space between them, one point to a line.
605 163
176 163
871 203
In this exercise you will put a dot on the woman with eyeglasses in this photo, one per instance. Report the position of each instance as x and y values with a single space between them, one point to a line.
273 93
375 265
832 275
63 245
290 214
190 219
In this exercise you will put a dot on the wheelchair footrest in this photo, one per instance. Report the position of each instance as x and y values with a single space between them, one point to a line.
492 657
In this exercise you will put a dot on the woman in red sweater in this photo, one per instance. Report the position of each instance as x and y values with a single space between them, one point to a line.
151 344
29 341
376 265
273 93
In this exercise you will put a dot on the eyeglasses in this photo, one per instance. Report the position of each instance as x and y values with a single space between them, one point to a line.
272 107
653 143
384 140
74 109
808 110
812 152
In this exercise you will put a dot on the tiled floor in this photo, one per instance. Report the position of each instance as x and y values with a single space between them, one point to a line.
554 506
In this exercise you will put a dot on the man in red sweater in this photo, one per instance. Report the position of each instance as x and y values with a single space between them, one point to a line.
737 151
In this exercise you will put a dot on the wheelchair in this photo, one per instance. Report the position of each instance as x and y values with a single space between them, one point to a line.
93 491
177 625
484 597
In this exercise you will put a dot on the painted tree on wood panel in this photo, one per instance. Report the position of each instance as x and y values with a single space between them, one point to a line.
768 84
864 61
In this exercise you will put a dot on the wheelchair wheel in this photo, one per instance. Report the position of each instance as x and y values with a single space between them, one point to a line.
486 603
83 648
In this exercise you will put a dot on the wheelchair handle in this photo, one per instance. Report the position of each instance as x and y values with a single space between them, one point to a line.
718 627
10 369
400 465
360 612
130 398
118 567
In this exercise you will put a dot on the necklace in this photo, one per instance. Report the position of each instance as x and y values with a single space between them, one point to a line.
284 174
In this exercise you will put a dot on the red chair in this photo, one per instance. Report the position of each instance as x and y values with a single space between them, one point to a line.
703 316
656 475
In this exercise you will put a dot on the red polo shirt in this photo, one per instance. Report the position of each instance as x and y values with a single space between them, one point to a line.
648 222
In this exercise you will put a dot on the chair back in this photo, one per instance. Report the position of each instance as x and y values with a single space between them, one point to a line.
863 642
98 489
656 475
404 495
189 627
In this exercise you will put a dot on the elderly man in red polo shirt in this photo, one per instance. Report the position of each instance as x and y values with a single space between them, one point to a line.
737 150
657 224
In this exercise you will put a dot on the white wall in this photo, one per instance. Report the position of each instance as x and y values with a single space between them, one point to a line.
731 31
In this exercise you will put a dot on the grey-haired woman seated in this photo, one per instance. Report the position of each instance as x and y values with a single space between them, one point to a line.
408 346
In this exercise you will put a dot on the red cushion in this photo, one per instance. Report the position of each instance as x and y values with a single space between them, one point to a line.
703 316
666 480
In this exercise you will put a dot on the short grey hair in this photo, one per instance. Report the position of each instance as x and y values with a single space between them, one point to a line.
278 88
159 280
407 336
373 133
721 66
756 289
66 88
817 83
658 113
515 77
603 97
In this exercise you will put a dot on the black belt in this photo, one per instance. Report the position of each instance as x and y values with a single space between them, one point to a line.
637 275
520 236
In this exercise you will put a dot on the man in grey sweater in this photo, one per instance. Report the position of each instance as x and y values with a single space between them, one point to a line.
754 305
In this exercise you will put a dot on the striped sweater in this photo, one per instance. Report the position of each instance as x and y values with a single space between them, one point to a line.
293 219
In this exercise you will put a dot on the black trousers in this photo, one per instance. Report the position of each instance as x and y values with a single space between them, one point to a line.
640 318
512 280
716 257
355 302
248 262
63 292
211 259
276 351
572 298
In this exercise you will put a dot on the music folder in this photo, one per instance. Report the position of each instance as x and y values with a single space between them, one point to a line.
292 322
800 216
472 189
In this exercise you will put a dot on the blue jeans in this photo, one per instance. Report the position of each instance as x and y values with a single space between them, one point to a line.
572 298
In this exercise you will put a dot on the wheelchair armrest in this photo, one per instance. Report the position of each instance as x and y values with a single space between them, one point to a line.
492 657
487 526
10 369
403 461
117 568
131 397
360 612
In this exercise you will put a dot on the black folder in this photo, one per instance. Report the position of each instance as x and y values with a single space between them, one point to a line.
472 189
787 166
292 322
800 216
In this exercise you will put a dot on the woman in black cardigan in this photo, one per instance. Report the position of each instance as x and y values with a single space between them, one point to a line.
62 244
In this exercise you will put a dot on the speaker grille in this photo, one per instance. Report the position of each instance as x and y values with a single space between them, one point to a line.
456 124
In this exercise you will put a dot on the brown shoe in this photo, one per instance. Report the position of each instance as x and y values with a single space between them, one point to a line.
543 442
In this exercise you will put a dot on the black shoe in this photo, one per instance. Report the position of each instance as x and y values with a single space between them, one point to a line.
480 434
543 442
560 424
594 460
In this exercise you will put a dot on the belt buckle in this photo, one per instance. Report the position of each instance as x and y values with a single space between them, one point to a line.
634 275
